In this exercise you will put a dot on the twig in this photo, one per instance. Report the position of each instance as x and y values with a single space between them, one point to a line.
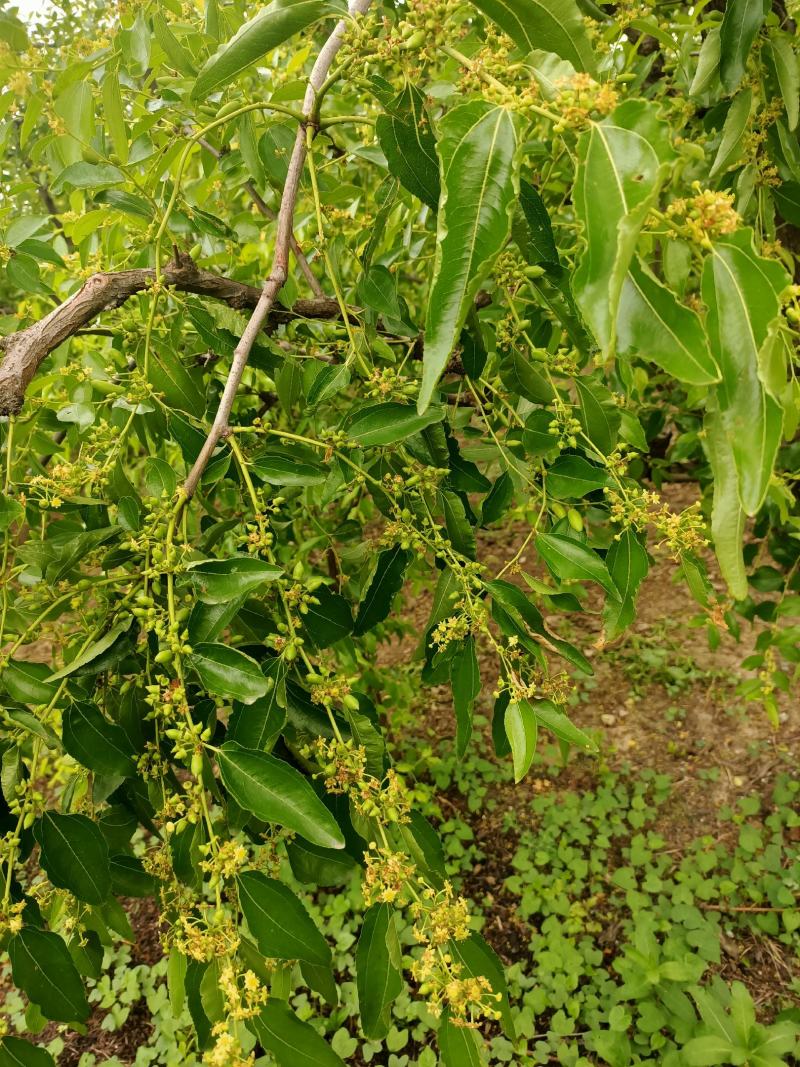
277 276
268 213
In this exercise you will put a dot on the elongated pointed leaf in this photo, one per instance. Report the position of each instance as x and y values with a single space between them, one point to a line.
379 970
275 792
292 1042
75 855
627 564
465 679
727 513
387 424
742 291
572 561
386 583
478 151
653 324
273 25
558 723
460 1046
282 468
740 24
14 1052
621 165
574 476
219 580
95 651
521 730
227 672
552 25
95 742
42 967
407 140
278 921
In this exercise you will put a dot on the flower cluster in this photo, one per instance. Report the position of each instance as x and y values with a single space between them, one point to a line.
709 213
681 532
581 96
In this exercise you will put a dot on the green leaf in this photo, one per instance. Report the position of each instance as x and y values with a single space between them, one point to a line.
176 54
43 969
217 581
95 742
740 24
11 511
320 866
465 679
379 971
519 374
14 1052
621 166
115 115
727 513
275 792
83 175
787 201
570 560
160 479
574 476
386 583
387 424
459 530
709 1050
742 292
329 620
654 325
95 651
733 131
787 70
521 731
477 958
283 468
552 25
408 143
478 151
532 228
460 1046
27 682
627 564
258 725
293 1043
227 672
558 723
273 25
282 927
499 499
169 376
13 32
75 855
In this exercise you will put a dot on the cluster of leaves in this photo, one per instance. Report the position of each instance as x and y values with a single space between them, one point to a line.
543 275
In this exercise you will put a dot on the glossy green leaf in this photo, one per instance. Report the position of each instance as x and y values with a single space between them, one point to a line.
379 970
82 175
733 131
279 922
292 1042
787 70
14 1052
574 476
258 725
95 651
387 424
227 672
653 324
570 560
532 228
408 143
217 581
477 958
557 722
282 468
621 166
275 792
727 513
460 1046
179 387
386 583
742 291
521 730
740 24
115 116
465 680
552 25
627 564
478 151
273 25
75 855
95 742
42 967
321 866
27 682
329 620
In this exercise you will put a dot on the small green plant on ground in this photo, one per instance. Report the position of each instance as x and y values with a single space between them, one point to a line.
298 303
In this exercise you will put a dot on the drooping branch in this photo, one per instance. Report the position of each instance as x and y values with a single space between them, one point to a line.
280 262
25 350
